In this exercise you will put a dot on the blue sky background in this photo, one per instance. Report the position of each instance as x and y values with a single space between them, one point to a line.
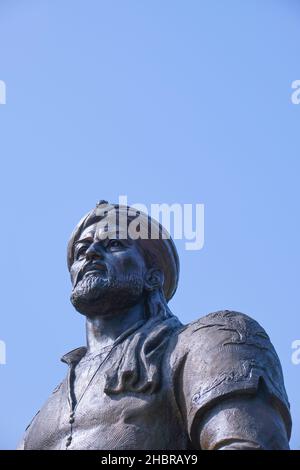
164 101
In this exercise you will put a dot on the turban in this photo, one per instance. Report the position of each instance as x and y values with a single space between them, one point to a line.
155 241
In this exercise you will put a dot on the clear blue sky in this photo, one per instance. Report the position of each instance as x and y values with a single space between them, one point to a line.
165 101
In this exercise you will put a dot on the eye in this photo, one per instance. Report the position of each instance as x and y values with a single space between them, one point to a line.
115 244
81 251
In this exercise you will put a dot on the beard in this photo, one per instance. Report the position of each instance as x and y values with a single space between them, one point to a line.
95 294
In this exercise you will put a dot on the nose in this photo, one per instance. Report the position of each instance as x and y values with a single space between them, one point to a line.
94 251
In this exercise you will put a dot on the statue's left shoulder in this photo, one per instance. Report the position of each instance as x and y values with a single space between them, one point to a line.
213 332
227 353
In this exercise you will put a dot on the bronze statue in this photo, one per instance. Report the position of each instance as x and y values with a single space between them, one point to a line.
145 380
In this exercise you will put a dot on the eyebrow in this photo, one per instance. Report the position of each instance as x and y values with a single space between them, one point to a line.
84 240
107 236
112 235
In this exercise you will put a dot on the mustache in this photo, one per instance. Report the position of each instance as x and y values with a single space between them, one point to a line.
88 267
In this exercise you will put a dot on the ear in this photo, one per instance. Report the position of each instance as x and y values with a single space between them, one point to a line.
153 279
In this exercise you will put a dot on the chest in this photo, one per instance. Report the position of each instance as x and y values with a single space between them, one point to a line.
105 421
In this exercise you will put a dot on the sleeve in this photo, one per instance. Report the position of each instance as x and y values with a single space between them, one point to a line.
21 444
226 354
245 422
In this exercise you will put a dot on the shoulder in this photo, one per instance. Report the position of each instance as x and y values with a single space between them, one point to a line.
229 340
212 335
220 319
225 353
222 328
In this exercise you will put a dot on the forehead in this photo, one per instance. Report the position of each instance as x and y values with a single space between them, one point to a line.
98 232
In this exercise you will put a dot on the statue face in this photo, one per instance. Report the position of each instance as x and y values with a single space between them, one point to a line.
107 273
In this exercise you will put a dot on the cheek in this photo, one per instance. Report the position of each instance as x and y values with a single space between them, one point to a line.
74 271
128 263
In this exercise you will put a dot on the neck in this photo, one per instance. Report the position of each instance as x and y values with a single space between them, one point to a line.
103 330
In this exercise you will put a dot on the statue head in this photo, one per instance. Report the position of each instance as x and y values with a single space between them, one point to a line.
119 257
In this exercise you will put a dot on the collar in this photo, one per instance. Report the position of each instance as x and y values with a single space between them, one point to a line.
74 356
